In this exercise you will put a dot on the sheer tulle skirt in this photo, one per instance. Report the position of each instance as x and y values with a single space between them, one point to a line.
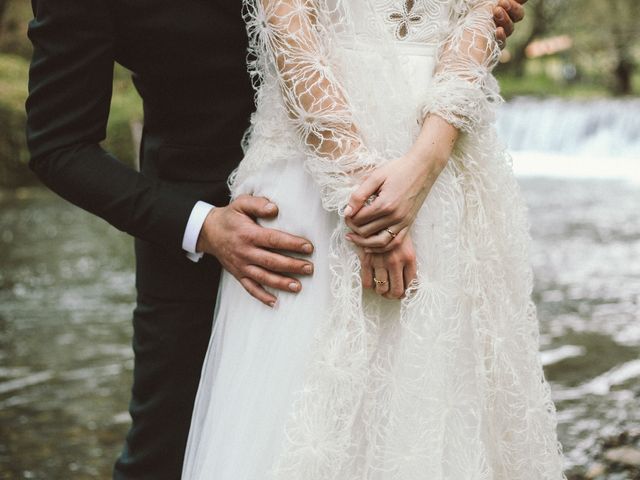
257 355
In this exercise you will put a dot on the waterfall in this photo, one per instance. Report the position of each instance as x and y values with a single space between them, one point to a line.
573 138
589 128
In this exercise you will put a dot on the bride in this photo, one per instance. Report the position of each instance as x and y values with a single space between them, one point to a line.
373 133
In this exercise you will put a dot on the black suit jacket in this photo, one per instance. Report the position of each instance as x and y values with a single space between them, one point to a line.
188 63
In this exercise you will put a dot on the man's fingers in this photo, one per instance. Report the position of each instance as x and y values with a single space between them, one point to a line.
503 20
358 198
273 280
277 240
276 262
257 291
256 207
501 37
516 9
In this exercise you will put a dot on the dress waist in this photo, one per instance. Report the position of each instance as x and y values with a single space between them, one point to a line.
412 65
400 48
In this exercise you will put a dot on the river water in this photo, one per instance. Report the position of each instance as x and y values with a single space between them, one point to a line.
66 295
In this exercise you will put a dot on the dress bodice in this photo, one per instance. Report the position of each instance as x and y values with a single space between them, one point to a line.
415 20
410 21
348 82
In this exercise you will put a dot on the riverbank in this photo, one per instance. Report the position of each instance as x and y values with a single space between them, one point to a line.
616 457
67 292
542 86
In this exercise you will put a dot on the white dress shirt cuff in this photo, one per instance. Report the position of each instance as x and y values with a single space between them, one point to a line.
192 231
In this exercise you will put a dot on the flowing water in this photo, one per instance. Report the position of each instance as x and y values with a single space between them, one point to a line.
66 295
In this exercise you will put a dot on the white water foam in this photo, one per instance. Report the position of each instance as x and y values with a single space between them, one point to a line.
601 128
597 139
528 164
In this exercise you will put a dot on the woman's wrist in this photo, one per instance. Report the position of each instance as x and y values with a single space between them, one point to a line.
435 142
427 163
434 158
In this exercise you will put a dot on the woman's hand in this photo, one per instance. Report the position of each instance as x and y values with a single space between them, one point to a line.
391 273
398 190
400 187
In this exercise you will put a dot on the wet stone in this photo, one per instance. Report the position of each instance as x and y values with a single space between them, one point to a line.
624 455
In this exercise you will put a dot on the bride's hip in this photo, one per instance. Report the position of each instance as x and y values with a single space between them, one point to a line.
286 183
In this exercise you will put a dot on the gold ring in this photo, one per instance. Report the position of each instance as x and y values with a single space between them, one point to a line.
393 235
379 282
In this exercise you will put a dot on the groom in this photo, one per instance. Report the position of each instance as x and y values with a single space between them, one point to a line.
188 63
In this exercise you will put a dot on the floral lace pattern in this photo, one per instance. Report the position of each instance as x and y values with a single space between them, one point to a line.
446 384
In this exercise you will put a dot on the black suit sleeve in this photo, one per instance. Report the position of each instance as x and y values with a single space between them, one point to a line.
70 83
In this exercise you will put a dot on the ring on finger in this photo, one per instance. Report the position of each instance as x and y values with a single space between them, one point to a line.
390 232
381 279
371 199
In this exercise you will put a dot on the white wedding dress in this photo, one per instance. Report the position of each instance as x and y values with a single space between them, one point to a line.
340 384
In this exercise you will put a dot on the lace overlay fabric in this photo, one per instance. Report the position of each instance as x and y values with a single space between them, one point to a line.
447 383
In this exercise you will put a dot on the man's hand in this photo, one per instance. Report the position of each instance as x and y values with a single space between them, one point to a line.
505 14
245 249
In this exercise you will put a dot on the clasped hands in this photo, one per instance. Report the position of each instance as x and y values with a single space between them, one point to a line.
380 214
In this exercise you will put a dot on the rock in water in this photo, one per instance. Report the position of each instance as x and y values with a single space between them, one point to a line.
625 455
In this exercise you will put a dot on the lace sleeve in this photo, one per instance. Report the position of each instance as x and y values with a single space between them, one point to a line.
291 36
463 89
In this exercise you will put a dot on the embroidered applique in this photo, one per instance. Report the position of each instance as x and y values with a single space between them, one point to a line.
405 17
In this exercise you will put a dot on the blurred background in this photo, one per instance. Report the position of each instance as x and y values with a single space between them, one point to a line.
572 120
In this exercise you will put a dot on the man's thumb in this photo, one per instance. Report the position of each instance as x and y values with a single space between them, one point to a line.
258 207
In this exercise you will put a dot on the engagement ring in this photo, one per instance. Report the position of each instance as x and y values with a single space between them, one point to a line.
370 200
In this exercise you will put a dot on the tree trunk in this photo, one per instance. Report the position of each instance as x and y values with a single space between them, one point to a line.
623 74
3 9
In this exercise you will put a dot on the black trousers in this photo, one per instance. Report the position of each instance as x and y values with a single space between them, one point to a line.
172 325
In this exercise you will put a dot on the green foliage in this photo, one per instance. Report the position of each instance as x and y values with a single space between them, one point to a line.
125 109
13 85
14 19
543 86
605 34
13 149
15 51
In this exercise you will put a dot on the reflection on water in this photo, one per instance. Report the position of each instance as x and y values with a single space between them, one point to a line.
66 291
587 265
66 295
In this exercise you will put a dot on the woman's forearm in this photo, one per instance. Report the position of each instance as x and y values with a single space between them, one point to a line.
314 98
435 143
